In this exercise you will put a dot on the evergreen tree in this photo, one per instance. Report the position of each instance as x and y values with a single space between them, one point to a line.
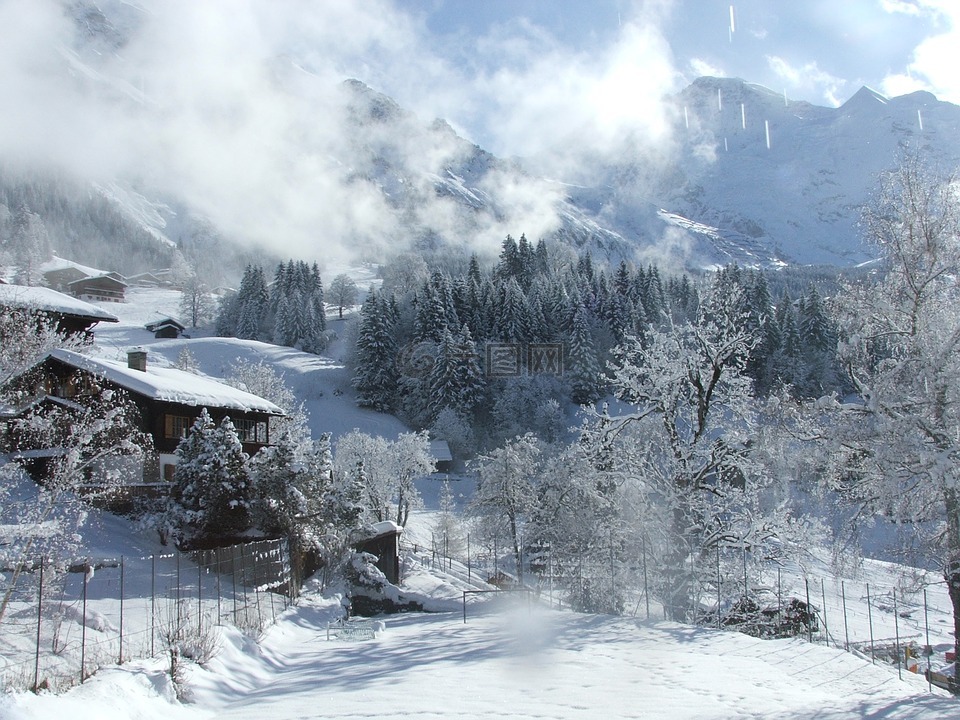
456 381
376 373
252 304
31 245
211 490
512 322
509 265
541 262
820 374
581 366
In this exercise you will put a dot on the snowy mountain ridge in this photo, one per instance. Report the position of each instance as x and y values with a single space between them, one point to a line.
337 169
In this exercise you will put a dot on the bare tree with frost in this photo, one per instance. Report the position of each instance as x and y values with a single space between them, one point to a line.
896 450
683 448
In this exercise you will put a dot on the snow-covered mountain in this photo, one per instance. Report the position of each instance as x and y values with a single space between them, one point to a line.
279 157
759 175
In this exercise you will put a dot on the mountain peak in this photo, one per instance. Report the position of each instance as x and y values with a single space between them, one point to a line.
866 98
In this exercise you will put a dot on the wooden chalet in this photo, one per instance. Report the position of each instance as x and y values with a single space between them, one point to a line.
101 288
168 400
73 316
60 273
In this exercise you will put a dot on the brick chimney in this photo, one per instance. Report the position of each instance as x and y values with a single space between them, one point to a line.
137 359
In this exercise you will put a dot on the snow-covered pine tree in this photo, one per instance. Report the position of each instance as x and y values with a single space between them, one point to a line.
375 376
788 359
211 490
252 304
582 368
509 265
456 380
819 342
512 320
31 245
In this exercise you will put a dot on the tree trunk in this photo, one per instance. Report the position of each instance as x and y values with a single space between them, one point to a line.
952 576
514 536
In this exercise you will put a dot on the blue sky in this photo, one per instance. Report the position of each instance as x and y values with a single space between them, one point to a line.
821 51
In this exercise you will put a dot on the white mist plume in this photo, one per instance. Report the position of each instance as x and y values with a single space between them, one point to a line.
239 107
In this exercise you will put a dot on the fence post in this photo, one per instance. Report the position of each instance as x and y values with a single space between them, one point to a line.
806 582
83 629
233 576
243 584
927 650
846 626
153 603
746 586
718 585
896 630
200 595
36 670
870 622
646 591
779 595
826 627
216 560
120 662
469 575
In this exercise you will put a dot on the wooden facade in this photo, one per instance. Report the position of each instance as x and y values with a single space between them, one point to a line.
73 378
103 288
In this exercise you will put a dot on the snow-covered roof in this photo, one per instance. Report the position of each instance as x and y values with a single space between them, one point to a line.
387 527
440 451
41 298
112 277
58 263
157 324
169 384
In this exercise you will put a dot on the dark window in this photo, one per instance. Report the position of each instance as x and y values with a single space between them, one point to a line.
176 426
251 431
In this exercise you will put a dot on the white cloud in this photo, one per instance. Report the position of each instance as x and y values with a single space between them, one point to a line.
206 102
934 61
702 68
808 79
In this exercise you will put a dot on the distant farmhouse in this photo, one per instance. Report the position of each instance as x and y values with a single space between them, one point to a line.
165 328
73 316
84 282
168 401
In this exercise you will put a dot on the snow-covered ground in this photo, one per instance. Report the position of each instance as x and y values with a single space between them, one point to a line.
523 661
518 661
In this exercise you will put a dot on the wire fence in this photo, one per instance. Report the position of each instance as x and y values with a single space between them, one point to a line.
889 615
70 622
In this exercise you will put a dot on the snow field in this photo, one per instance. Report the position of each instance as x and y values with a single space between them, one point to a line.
527 662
